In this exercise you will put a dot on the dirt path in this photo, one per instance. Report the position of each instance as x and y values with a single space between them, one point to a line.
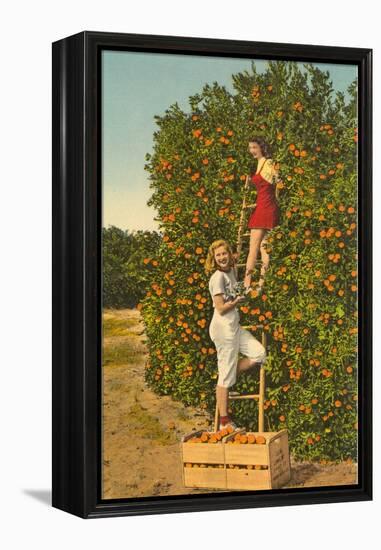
142 430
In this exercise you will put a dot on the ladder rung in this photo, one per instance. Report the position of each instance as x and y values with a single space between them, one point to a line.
250 205
251 396
250 326
245 235
244 265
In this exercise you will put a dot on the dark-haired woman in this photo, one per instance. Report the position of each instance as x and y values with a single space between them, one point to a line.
266 214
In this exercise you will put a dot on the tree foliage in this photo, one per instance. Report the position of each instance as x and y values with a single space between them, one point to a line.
309 309
125 278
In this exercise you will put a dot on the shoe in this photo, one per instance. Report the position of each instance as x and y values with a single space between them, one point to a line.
231 424
259 289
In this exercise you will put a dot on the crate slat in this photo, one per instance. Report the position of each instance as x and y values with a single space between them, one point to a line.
279 456
208 453
214 478
247 479
246 454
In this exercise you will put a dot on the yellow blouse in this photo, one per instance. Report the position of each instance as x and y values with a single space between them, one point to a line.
268 171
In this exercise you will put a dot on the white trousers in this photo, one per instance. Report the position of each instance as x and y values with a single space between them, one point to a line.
228 347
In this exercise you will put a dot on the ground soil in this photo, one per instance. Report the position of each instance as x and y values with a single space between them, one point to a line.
142 430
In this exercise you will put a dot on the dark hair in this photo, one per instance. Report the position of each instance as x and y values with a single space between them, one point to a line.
265 147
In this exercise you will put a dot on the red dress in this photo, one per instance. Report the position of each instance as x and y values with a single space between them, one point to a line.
266 214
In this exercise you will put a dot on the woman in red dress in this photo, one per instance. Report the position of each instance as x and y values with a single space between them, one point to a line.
266 214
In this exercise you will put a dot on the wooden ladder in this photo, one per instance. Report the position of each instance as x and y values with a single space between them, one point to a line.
242 222
235 395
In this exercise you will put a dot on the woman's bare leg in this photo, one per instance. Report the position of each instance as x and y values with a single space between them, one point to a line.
245 364
256 236
222 393
265 257
222 400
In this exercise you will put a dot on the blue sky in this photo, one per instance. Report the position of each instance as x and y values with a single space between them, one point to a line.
136 86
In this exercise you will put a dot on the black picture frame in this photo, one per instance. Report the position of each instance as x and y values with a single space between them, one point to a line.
76 273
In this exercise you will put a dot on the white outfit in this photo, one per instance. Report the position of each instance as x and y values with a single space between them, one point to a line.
228 336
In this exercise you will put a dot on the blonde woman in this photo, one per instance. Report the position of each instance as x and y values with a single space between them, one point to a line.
266 214
225 331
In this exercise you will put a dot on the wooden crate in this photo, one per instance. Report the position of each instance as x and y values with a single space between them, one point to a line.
213 475
272 457
232 466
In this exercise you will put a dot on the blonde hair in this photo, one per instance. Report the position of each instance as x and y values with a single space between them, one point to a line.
210 262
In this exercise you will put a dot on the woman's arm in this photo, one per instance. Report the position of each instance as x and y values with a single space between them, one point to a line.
277 180
276 173
223 307
270 173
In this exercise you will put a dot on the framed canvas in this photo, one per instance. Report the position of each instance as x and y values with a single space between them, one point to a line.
212 260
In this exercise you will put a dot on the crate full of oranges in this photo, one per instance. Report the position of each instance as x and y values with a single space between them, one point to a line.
239 460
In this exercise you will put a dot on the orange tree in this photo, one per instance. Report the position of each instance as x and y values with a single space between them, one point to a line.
123 253
309 308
